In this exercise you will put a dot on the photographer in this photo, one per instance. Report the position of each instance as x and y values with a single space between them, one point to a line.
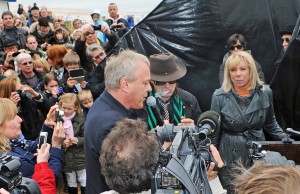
128 161
30 105
13 143
89 37
7 60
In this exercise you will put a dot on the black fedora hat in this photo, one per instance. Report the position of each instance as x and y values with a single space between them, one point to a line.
164 67
287 30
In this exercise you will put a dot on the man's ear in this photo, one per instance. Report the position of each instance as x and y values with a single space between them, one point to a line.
124 84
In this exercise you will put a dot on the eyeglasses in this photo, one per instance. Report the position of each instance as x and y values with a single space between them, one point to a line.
26 63
98 56
163 83
286 40
239 47
88 33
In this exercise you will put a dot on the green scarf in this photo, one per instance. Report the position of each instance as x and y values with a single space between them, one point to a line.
177 106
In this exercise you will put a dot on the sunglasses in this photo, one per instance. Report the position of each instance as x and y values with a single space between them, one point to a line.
98 56
239 47
88 33
286 40
26 63
163 83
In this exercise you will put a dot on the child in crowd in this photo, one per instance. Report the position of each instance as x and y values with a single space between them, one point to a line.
52 90
41 65
76 35
61 36
74 161
86 100
71 61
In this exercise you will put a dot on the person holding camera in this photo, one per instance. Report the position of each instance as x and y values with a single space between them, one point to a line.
29 102
13 143
98 23
115 21
7 61
52 91
88 38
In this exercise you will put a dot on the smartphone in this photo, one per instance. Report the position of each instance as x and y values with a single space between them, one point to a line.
77 74
42 139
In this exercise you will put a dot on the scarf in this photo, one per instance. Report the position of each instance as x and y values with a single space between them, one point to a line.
68 126
174 112
58 72
243 91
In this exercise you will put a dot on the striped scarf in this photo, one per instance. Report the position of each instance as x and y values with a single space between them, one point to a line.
174 112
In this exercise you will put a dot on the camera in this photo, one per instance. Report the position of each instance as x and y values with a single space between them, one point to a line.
182 168
15 54
97 27
24 94
60 90
116 26
59 114
11 177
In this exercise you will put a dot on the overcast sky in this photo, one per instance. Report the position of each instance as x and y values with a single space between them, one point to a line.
126 5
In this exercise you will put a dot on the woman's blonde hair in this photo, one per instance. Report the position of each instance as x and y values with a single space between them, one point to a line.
44 63
8 85
71 98
232 62
8 111
265 178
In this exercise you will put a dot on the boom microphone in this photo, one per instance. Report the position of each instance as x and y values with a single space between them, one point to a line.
151 102
208 123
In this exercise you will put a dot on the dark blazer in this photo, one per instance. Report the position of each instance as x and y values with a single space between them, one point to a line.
102 117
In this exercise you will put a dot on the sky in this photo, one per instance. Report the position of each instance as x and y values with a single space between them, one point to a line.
128 5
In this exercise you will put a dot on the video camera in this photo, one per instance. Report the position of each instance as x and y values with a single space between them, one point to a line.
11 177
182 169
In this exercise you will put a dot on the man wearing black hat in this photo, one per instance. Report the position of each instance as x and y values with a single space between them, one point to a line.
11 32
35 15
10 49
286 35
175 105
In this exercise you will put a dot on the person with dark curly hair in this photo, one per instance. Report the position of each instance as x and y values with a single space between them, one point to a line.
129 161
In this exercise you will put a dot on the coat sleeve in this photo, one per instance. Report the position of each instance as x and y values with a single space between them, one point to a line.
56 162
44 177
271 126
215 106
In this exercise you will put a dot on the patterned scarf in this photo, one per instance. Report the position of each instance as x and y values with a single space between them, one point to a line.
68 126
171 110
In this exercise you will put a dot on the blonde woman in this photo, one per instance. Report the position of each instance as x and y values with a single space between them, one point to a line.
246 108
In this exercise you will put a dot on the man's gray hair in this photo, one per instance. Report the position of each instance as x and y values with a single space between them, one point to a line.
22 56
92 48
123 65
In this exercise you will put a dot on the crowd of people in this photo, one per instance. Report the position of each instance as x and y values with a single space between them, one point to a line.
92 143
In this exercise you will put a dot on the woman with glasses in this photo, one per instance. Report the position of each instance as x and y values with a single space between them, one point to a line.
245 105
12 143
236 43
176 105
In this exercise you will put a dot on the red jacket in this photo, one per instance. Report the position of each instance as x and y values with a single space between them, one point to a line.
44 176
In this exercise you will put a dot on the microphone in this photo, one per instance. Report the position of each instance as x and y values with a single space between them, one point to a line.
292 132
208 123
151 101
